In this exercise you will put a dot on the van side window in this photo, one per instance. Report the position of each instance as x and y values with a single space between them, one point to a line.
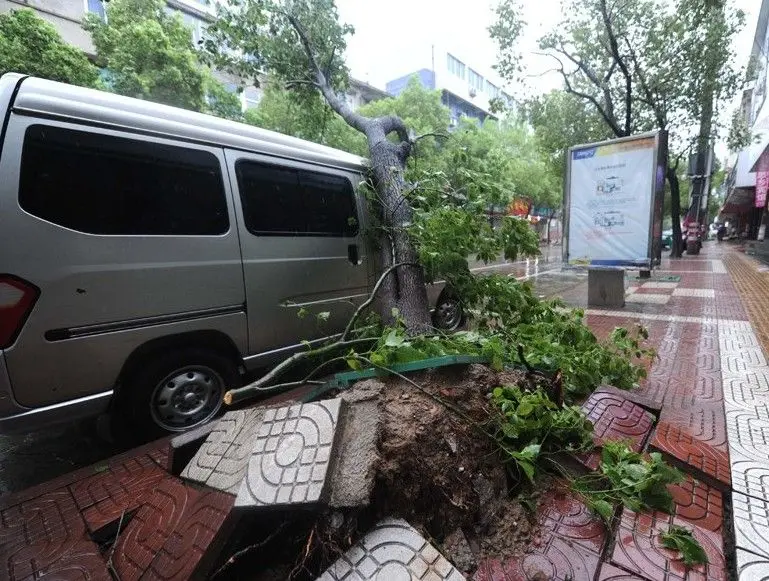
283 201
100 184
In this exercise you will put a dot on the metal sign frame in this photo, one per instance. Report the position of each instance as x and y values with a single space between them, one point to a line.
659 170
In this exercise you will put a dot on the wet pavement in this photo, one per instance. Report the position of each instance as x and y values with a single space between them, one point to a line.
29 459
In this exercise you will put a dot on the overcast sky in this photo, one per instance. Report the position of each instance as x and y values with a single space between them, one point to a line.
393 37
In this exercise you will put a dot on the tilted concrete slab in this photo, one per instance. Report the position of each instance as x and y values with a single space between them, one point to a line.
392 551
291 455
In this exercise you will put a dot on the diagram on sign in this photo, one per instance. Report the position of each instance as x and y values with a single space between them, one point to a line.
609 185
609 219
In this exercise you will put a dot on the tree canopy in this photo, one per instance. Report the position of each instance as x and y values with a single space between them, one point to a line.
148 53
32 46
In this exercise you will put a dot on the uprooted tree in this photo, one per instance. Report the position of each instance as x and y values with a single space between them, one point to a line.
428 218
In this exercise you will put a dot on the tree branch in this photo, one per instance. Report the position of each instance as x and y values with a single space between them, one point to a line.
609 119
614 45
355 120
372 297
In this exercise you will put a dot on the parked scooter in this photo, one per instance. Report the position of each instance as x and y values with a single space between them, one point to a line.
721 233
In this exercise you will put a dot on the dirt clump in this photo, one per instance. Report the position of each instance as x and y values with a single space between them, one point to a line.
439 469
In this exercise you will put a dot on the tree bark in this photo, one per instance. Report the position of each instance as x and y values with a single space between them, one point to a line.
404 289
675 212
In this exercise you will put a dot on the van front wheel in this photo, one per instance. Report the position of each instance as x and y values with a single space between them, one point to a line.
175 392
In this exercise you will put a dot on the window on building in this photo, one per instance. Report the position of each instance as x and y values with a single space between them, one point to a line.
475 80
100 184
455 66
282 201
251 96
506 99
96 7
196 25
492 90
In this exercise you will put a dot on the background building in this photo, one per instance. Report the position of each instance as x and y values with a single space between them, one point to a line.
741 208
466 89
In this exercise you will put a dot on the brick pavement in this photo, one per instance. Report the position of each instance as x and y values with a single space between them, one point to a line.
711 381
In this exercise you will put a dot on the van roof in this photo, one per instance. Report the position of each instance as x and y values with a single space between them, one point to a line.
53 99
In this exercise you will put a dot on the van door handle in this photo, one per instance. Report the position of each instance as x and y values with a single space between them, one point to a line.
352 254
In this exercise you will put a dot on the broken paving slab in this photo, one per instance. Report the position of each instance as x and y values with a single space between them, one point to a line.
291 455
222 460
393 551
353 474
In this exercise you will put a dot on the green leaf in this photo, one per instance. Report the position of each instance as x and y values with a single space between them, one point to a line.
354 364
394 339
302 313
525 409
323 316
603 508
678 538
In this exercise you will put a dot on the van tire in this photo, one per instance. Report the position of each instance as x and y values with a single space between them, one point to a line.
448 314
199 375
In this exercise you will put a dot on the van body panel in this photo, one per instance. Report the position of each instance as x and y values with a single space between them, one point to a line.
291 280
89 106
88 279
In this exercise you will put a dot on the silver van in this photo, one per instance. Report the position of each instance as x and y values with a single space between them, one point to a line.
151 256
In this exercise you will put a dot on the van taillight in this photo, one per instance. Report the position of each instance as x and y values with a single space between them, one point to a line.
17 297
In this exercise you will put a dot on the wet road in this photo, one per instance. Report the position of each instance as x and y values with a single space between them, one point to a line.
28 459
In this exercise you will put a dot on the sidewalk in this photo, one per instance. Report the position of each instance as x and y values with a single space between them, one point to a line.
708 317
711 331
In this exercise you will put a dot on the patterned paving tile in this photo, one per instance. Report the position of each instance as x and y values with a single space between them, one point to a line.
702 293
660 285
748 432
174 535
193 546
291 454
704 422
611 573
392 550
638 549
752 567
222 461
103 497
750 477
572 541
742 390
751 523
45 537
649 299
616 418
698 504
680 444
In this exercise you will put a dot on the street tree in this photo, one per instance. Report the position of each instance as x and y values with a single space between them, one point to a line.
561 120
301 43
148 53
32 46
305 117
639 65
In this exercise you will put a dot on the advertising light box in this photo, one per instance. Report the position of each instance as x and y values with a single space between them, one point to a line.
613 201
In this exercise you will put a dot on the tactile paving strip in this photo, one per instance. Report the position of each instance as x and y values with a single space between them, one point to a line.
392 551
751 523
291 455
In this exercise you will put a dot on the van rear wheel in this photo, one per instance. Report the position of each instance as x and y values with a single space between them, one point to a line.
174 392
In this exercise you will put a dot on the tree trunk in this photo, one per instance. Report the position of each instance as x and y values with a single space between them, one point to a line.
405 288
675 213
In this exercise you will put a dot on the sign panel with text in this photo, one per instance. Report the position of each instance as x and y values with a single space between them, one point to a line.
613 201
